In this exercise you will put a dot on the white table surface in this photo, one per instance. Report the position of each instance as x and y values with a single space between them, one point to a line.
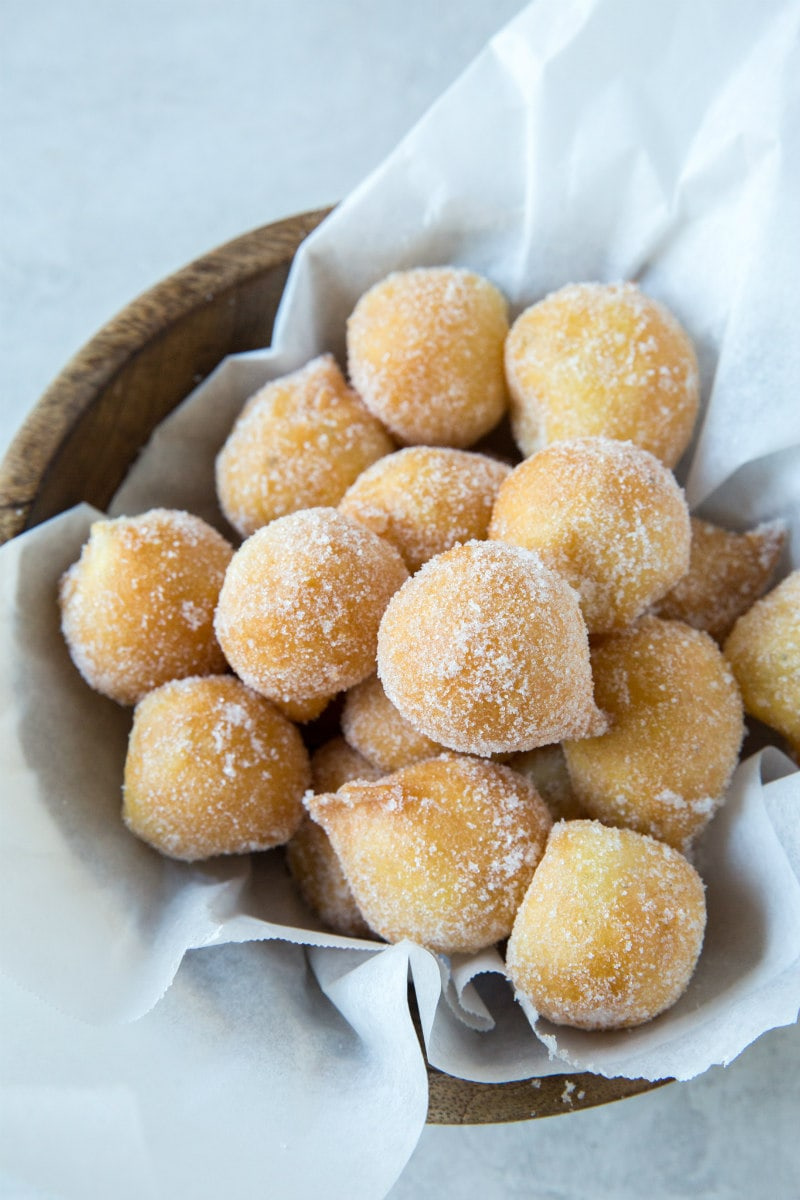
137 137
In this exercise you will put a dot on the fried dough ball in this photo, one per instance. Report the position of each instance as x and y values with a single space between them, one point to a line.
727 573
137 608
318 875
424 499
301 711
440 852
676 729
335 763
312 860
372 724
299 610
546 769
607 516
425 351
485 651
298 443
603 359
764 652
610 930
212 768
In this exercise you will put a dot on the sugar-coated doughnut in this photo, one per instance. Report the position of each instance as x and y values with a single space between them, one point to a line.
440 852
317 872
303 710
603 359
764 652
299 610
424 499
485 651
676 728
546 768
606 515
727 573
312 860
610 929
299 442
212 768
137 608
372 724
335 762
425 351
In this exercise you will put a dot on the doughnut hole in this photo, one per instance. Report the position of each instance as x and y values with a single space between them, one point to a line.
676 728
607 516
137 608
440 852
424 499
335 763
374 727
610 929
299 610
299 442
212 768
764 652
602 359
425 352
485 651
727 574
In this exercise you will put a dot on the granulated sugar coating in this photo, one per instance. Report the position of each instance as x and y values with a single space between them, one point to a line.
424 499
212 768
440 852
727 573
372 724
299 443
603 359
335 763
676 730
610 929
607 516
764 651
425 352
485 651
299 610
319 878
137 608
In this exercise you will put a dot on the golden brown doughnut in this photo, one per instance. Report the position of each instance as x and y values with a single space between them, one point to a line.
764 652
676 729
440 852
607 516
425 351
374 727
610 929
335 763
602 359
137 607
299 442
727 573
485 651
299 610
317 872
424 499
212 768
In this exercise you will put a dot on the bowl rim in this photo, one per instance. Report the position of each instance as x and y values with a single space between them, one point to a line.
36 445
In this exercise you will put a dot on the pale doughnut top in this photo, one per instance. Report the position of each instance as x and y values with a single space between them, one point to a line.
299 610
485 650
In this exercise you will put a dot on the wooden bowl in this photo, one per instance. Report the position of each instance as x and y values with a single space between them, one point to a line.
90 424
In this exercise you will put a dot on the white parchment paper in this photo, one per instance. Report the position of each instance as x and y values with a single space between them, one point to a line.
597 139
